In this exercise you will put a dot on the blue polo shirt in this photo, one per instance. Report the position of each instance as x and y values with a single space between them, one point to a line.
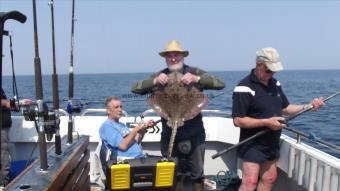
253 99
112 134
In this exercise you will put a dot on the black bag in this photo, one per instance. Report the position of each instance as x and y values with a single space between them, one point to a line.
6 113
6 118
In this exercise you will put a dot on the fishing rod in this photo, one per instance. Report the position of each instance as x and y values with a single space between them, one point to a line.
15 100
70 106
71 77
289 129
126 97
130 98
44 120
55 89
39 94
4 16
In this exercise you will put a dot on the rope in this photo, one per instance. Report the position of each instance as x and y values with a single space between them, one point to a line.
225 178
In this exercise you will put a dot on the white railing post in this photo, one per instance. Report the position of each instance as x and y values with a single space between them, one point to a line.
312 176
291 161
326 178
301 170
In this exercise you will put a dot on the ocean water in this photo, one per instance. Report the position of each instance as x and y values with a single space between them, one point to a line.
299 86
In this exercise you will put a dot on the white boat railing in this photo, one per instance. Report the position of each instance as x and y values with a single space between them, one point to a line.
204 112
310 167
101 111
63 112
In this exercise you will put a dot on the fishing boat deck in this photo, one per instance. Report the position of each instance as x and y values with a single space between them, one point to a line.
301 167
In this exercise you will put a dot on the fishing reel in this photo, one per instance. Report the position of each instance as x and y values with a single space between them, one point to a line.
74 108
14 104
51 122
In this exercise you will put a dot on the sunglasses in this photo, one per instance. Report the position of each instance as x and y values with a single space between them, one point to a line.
269 71
262 65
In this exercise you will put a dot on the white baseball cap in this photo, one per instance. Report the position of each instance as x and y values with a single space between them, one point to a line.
271 58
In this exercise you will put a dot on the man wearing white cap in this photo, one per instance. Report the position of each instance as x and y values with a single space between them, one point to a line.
258 104
192 133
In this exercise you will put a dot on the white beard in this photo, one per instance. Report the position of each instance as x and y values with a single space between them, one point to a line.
175 67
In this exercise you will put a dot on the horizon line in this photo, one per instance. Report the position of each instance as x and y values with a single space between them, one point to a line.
147 72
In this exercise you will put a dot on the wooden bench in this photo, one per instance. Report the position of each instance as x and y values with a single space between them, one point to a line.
69 171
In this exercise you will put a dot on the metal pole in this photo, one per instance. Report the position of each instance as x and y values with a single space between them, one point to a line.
324 143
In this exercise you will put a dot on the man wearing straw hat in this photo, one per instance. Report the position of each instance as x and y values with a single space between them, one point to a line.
192 133
258 104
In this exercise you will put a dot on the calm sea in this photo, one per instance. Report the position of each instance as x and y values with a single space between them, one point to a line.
299 86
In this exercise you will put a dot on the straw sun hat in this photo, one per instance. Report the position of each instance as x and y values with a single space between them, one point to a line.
174 46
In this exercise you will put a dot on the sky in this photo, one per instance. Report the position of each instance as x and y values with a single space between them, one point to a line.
116 36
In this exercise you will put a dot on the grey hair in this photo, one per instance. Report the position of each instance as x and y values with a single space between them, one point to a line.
110 98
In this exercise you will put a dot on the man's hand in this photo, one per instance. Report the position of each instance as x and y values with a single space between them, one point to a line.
25 102
276 123
189 78
14 104
5 103
161 79
317 103
149 123
142 127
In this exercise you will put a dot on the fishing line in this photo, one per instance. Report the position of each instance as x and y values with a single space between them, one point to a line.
211 97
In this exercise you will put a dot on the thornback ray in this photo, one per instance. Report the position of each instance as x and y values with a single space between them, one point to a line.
177 102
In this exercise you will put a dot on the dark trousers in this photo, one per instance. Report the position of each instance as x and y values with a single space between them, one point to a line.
192 162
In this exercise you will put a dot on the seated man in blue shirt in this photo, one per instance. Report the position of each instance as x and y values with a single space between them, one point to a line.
122 142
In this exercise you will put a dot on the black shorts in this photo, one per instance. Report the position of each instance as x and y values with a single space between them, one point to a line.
258 154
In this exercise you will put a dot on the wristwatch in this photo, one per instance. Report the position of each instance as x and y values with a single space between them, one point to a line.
198 78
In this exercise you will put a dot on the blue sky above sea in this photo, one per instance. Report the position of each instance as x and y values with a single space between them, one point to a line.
126 36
